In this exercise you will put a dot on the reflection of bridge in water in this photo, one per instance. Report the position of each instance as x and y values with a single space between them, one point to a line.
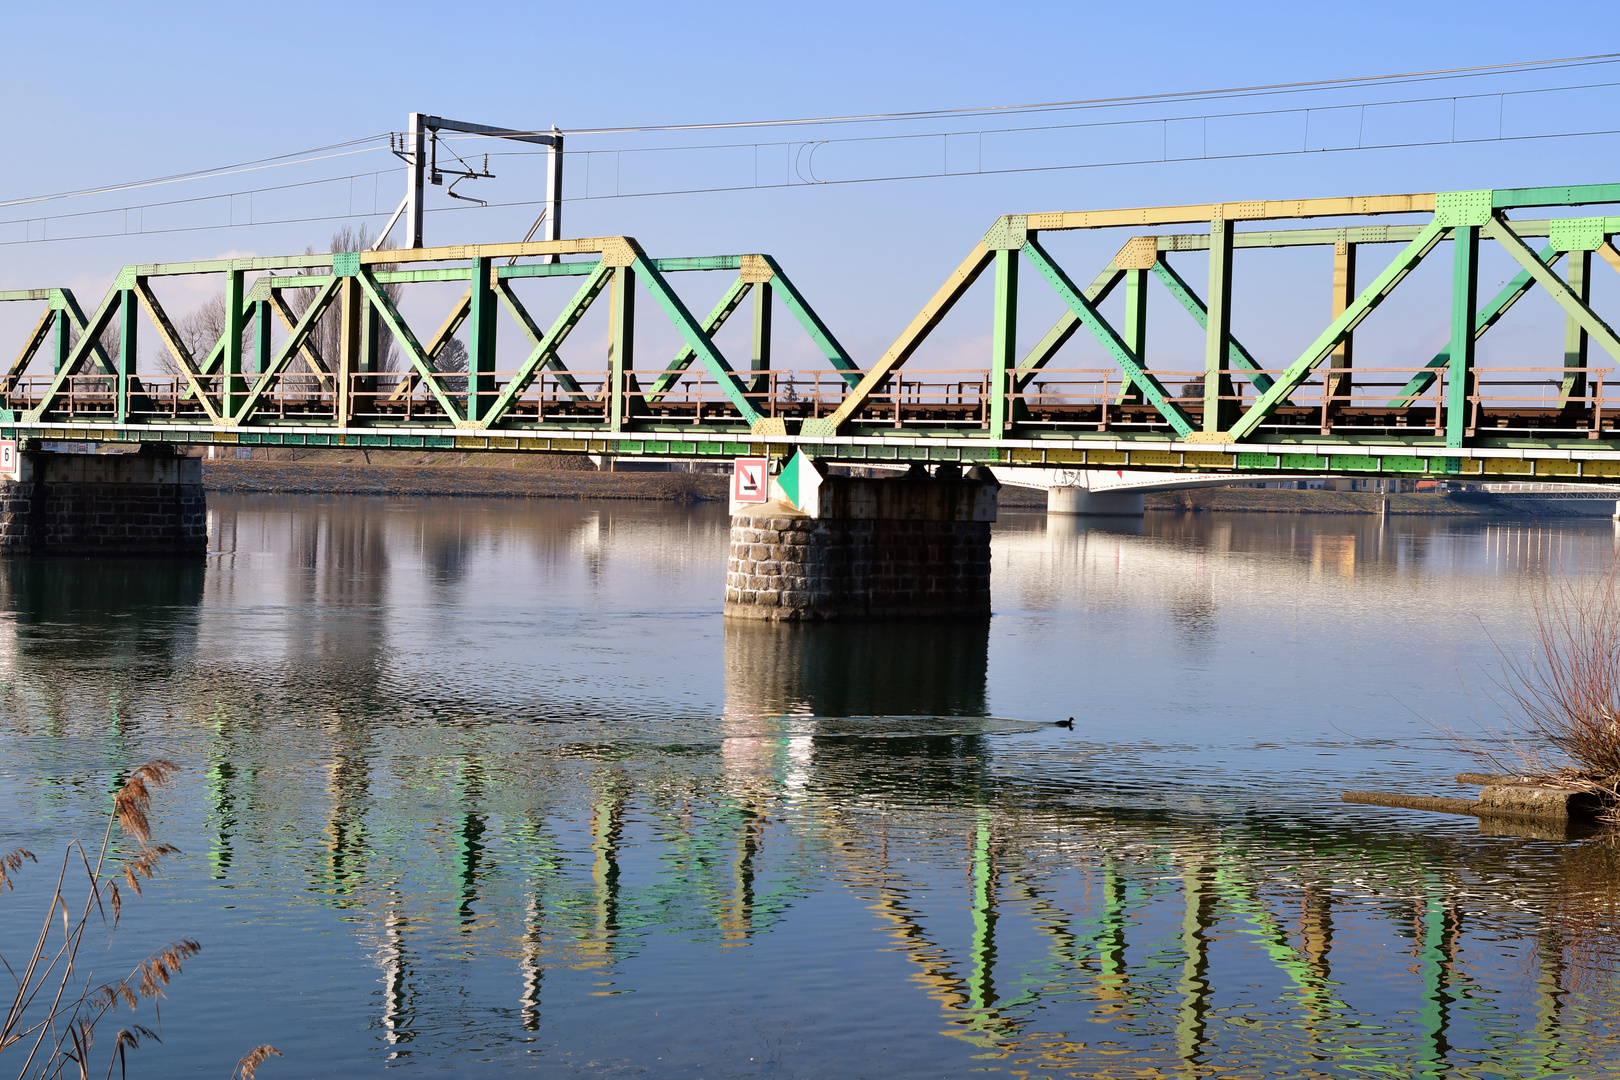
501 873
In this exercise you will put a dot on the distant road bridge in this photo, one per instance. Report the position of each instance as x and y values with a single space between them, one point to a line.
1114 491
300 361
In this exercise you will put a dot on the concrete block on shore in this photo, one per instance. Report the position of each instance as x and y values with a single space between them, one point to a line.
1523 800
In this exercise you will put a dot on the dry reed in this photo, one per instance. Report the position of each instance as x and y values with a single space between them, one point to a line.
55 1009
1562 704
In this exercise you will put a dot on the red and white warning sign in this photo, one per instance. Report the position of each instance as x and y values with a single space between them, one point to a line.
750 480
8 457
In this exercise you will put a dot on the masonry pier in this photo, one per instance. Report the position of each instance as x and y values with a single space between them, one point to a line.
103 504
914 546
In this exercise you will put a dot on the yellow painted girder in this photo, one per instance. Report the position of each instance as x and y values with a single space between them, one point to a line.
1610 255
1262 210
938 305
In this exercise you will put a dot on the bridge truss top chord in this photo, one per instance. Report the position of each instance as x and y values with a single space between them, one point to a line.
299 360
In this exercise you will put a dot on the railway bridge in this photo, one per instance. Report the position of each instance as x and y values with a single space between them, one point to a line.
300 360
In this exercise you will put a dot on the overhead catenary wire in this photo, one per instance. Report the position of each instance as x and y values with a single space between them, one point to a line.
277 161
376 143
1310 86
519 203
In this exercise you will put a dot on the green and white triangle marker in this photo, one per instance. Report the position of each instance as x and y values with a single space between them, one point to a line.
800 481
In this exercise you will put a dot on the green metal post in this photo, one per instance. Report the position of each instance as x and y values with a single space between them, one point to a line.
621 342
1218 331
261 337
1464 300
64 341
1003 341
128 349
370 337
761 361
234 325
1134 332
353 299
481 340
1579 280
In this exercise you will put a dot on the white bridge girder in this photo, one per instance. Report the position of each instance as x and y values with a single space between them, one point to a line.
1112 491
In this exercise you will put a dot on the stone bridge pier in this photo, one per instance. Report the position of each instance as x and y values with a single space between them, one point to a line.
103 504
849 548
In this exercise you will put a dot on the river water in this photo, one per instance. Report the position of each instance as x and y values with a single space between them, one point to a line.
471 787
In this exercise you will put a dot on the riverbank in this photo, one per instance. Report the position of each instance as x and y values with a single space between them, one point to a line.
541 477
481 480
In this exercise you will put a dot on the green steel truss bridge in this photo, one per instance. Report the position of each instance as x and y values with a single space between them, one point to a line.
298 360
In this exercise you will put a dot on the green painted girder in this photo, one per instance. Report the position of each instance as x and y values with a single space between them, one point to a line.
1064 328
407 341
36 338
716 364
698 262
1108 338
550 360
1499 230
722 310
1489 316
1575 195
177 348
1003 342
1237 355
88 344
547 344
1464 301
289 348
1323 346
312 356
806 315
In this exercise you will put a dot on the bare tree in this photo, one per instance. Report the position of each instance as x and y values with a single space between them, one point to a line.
328 330
199 331
452 358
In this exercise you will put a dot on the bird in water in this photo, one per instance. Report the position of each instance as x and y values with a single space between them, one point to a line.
1069 723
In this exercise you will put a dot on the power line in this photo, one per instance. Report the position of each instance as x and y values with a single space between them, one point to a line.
278 161
1120 102
828 183
1312 86
359 146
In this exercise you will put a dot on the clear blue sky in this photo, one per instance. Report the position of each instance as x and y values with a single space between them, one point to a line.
102 94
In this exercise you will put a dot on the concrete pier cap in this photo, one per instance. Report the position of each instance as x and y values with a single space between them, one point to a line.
821 546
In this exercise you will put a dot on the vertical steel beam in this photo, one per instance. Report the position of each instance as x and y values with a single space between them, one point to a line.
621 343
64 341
481 339
554 192
1339 381
1134 333
760 362
235 323
262 353
1464 300
1218 328
128 350
416 163
1579 280
1003 340
371 345
350 313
